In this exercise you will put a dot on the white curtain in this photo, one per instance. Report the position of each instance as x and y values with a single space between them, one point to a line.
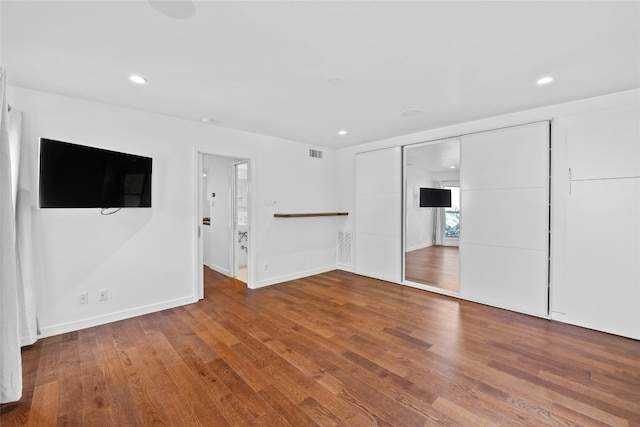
438 220
27 322
17 302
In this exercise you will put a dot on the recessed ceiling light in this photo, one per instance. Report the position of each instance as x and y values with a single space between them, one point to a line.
544 81
207 121
336 80
411 112
342 132
137 79
452 167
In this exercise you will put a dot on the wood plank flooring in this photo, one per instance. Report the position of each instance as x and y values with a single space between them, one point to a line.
435 266
334 349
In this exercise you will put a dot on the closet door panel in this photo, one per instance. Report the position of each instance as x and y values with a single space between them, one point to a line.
505 277
374 207
378 220
378 256
603 256
504 175
379 172
506 158
604 143
522 214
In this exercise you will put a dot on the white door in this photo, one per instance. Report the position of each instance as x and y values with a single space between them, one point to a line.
504 237
603 256
604 144
379 214
599 281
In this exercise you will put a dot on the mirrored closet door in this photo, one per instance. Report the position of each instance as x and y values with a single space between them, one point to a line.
432 214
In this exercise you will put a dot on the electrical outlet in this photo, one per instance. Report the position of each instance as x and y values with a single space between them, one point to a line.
102 295
84 298
266 266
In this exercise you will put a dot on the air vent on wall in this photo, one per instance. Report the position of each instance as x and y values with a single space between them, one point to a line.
317 154
344 248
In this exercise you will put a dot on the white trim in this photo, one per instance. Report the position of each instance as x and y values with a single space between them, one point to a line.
198 250
219 269
430 288
294 276
63 328
233 217
451 241
418 247
343 267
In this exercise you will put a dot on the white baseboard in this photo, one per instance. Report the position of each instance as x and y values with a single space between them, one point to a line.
343 267
63 328
219 269
294 276
422 246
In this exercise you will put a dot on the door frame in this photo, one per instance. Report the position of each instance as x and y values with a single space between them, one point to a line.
198 248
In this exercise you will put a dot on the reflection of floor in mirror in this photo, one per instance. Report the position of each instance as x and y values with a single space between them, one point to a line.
435 266
242 274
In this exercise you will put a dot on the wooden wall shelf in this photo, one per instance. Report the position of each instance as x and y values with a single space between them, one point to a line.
306 215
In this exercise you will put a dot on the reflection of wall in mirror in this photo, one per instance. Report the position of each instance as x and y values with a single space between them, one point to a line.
419 220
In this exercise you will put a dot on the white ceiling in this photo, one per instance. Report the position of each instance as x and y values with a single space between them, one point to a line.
264 66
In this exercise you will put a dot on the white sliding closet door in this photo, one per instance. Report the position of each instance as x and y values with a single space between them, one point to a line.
603 256
598 238
504 180
379 214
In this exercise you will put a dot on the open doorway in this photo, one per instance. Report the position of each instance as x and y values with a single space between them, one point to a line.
224 213
241 219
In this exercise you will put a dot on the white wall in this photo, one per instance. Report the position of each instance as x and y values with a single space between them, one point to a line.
146 258
0 38
419 225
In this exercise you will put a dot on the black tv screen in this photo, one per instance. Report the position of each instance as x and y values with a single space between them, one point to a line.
76 176
435 198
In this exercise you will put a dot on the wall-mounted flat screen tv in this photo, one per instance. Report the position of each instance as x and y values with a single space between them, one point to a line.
76 176
435 198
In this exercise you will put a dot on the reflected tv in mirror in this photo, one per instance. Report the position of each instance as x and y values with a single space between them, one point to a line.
77 176
435 198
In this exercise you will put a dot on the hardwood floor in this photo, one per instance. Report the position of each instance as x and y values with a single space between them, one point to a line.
333 349
435 266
